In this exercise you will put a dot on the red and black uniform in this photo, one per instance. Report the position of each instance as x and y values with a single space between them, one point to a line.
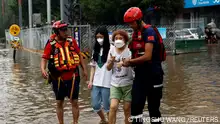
63 60
148 80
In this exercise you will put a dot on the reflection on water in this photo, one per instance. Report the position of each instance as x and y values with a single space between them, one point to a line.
192 88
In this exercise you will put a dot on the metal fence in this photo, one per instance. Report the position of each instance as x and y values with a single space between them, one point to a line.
33 38
175 39
36 38
2 42
169 39
189 36
83 36
189 29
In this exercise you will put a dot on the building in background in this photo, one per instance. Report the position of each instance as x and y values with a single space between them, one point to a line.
200 10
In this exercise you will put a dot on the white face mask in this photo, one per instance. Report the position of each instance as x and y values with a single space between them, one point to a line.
100 41
119 43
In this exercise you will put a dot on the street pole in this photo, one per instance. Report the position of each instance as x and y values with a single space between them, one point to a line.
30 43
30 12
3 12
61 9
80 14
20 12
48 11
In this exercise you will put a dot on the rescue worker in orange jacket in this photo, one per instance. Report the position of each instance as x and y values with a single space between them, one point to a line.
147 54
63 57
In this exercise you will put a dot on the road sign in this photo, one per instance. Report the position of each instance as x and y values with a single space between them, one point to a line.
14 30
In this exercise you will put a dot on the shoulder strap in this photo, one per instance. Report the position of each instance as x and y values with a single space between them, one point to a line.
156 31
70 40
158 34
147 26
52 43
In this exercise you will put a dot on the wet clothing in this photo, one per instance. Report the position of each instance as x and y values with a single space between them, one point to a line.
102 76
62 81
123 76
148 80
100 97
65 89
65 75
143 90
121 93
101 85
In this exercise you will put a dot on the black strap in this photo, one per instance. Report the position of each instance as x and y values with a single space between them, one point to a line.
52 46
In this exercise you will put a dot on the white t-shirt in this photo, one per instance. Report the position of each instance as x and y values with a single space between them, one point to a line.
102 76
121 76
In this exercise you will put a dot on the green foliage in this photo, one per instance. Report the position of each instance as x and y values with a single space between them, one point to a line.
112 11
39 6
100 11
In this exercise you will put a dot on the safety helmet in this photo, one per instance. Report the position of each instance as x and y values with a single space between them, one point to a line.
59 25
133 14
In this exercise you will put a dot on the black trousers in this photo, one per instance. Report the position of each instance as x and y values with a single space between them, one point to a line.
143 89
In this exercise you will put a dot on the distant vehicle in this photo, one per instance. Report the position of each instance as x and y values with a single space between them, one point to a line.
188 33
195 32
185 34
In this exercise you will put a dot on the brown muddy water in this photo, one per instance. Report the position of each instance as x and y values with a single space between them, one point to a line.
191 88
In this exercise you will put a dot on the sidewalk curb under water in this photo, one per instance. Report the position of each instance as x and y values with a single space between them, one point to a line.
39 52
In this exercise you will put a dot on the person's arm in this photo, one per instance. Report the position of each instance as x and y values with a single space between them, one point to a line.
43 64
92 73
146 57
44 60
110 65
82 62
110 60
149 39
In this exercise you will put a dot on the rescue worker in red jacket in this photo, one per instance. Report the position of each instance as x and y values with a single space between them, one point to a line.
146 60
63 57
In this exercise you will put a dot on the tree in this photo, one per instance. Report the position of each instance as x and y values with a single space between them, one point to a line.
101 11
7 19
112 11
38 6
74 11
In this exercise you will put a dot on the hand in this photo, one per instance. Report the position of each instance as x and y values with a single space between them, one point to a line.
119 64
44 73
90 85
126 62
85 74
112 58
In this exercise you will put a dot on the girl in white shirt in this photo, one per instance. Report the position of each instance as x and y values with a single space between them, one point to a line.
122 77
100 77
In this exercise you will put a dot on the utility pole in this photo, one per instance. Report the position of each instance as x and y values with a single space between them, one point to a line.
48 11
30 43
30 13
20 12
61 9
3 12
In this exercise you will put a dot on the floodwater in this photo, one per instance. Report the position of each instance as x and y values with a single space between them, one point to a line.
191 88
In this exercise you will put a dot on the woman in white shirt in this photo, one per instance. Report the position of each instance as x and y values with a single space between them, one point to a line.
122 77
100 77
